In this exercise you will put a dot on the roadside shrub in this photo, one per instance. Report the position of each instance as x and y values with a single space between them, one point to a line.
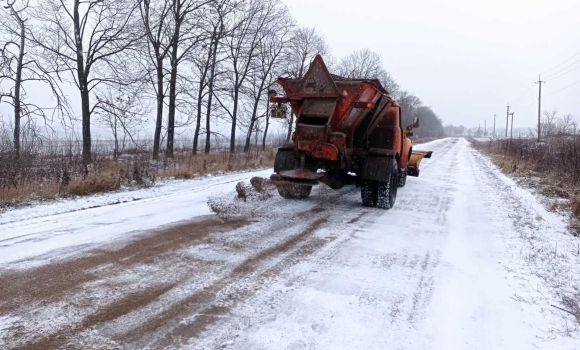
93 184
49 169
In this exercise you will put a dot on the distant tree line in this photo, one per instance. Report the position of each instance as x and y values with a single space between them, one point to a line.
187 64
552 124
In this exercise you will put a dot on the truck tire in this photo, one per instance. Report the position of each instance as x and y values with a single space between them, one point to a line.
381 194
368 192
285 160
402 181
387 190
293 191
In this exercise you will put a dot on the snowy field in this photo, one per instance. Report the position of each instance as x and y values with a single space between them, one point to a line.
465 260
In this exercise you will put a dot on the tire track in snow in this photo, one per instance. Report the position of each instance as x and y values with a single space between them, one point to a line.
404 303
91 269
190 318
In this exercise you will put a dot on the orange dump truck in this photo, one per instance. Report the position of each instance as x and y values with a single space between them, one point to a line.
348 131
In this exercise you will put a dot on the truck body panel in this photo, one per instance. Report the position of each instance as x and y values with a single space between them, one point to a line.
344 126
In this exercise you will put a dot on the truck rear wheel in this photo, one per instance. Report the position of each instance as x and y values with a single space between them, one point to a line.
368 192
382 194
387 190
294 191
285 160
402 181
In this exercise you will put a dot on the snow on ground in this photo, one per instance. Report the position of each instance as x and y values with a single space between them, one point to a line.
162 188
465 260
37 230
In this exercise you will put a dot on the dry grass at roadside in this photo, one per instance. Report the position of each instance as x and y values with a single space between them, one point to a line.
60 173
552 168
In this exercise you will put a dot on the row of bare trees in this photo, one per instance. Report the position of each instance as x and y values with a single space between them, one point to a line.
200 63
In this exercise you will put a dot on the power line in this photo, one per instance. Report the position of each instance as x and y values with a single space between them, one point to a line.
563 88
571 70
524 99
563 69
525 91
576 54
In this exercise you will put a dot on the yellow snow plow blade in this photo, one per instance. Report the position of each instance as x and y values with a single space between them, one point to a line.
416 158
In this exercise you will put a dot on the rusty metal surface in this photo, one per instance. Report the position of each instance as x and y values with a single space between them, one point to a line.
320 107
317 81
278 179
338 139
301 174
319 149
339 118
306 132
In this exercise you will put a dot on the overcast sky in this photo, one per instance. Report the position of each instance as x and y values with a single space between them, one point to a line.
466 59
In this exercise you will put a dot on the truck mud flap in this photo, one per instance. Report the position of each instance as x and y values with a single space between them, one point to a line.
415 161
377 168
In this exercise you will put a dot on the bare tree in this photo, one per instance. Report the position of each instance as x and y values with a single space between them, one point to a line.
304 45
122 111
83 39
155 17
241 49
274 74
18 66
409 104
431 124
366 64
274 39
185 36
549 123
205 60
567 125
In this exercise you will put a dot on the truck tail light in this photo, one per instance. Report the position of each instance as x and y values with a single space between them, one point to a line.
360 104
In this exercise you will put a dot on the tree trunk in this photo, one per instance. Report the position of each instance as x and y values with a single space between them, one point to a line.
208 125
234 120
173 79
172 97
17 89
159 118
86 122
207 117
252 123
197 122
202 82
267 125
83 87
116 137
210 98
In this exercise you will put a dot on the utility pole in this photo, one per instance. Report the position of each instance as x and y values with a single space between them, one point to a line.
494 125
485 128
512 128
507 118
539 82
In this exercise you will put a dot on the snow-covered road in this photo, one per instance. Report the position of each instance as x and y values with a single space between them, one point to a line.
447 268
